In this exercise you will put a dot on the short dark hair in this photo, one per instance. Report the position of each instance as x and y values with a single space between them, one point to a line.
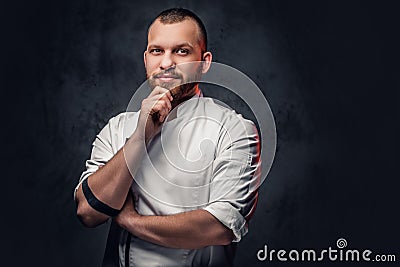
178 14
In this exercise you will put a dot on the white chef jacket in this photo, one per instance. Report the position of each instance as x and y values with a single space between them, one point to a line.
205 157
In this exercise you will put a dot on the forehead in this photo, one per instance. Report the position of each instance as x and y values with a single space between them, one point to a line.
170 34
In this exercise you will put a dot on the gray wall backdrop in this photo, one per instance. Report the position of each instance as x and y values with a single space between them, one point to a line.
327 69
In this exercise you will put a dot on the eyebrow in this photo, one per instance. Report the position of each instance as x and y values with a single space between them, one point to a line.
175 46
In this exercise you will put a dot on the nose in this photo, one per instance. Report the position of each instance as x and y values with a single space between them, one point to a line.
167 61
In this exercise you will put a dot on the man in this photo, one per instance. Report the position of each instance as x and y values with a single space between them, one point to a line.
177 206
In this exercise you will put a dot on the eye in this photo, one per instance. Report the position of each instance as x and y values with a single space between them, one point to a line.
155 51
182 51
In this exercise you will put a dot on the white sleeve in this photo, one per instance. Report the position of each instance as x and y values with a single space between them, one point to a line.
235 181
102 152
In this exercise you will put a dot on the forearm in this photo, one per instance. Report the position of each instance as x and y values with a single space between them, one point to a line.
110 184
188 230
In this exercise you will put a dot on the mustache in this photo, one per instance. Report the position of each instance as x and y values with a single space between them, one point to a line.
171 74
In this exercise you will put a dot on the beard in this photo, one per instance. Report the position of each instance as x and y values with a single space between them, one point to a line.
181 87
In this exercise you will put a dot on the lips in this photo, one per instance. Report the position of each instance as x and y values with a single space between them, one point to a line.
167 78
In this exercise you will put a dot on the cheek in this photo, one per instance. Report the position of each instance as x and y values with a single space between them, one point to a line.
151 65
190 68
151 61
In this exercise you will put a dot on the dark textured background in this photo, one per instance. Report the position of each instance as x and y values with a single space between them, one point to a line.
328 69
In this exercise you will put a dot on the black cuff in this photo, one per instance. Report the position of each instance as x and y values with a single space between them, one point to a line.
95 203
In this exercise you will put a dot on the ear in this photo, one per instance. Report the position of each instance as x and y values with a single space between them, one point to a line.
144 58
207 58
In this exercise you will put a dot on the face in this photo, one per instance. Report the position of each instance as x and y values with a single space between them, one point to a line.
170 49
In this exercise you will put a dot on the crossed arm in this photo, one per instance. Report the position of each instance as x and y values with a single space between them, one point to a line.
111 184
189 230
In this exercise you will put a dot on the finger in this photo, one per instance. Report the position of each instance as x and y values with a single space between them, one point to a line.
169 105
160 97
158 90
156 98
161 109
161 103
163 114
156 112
